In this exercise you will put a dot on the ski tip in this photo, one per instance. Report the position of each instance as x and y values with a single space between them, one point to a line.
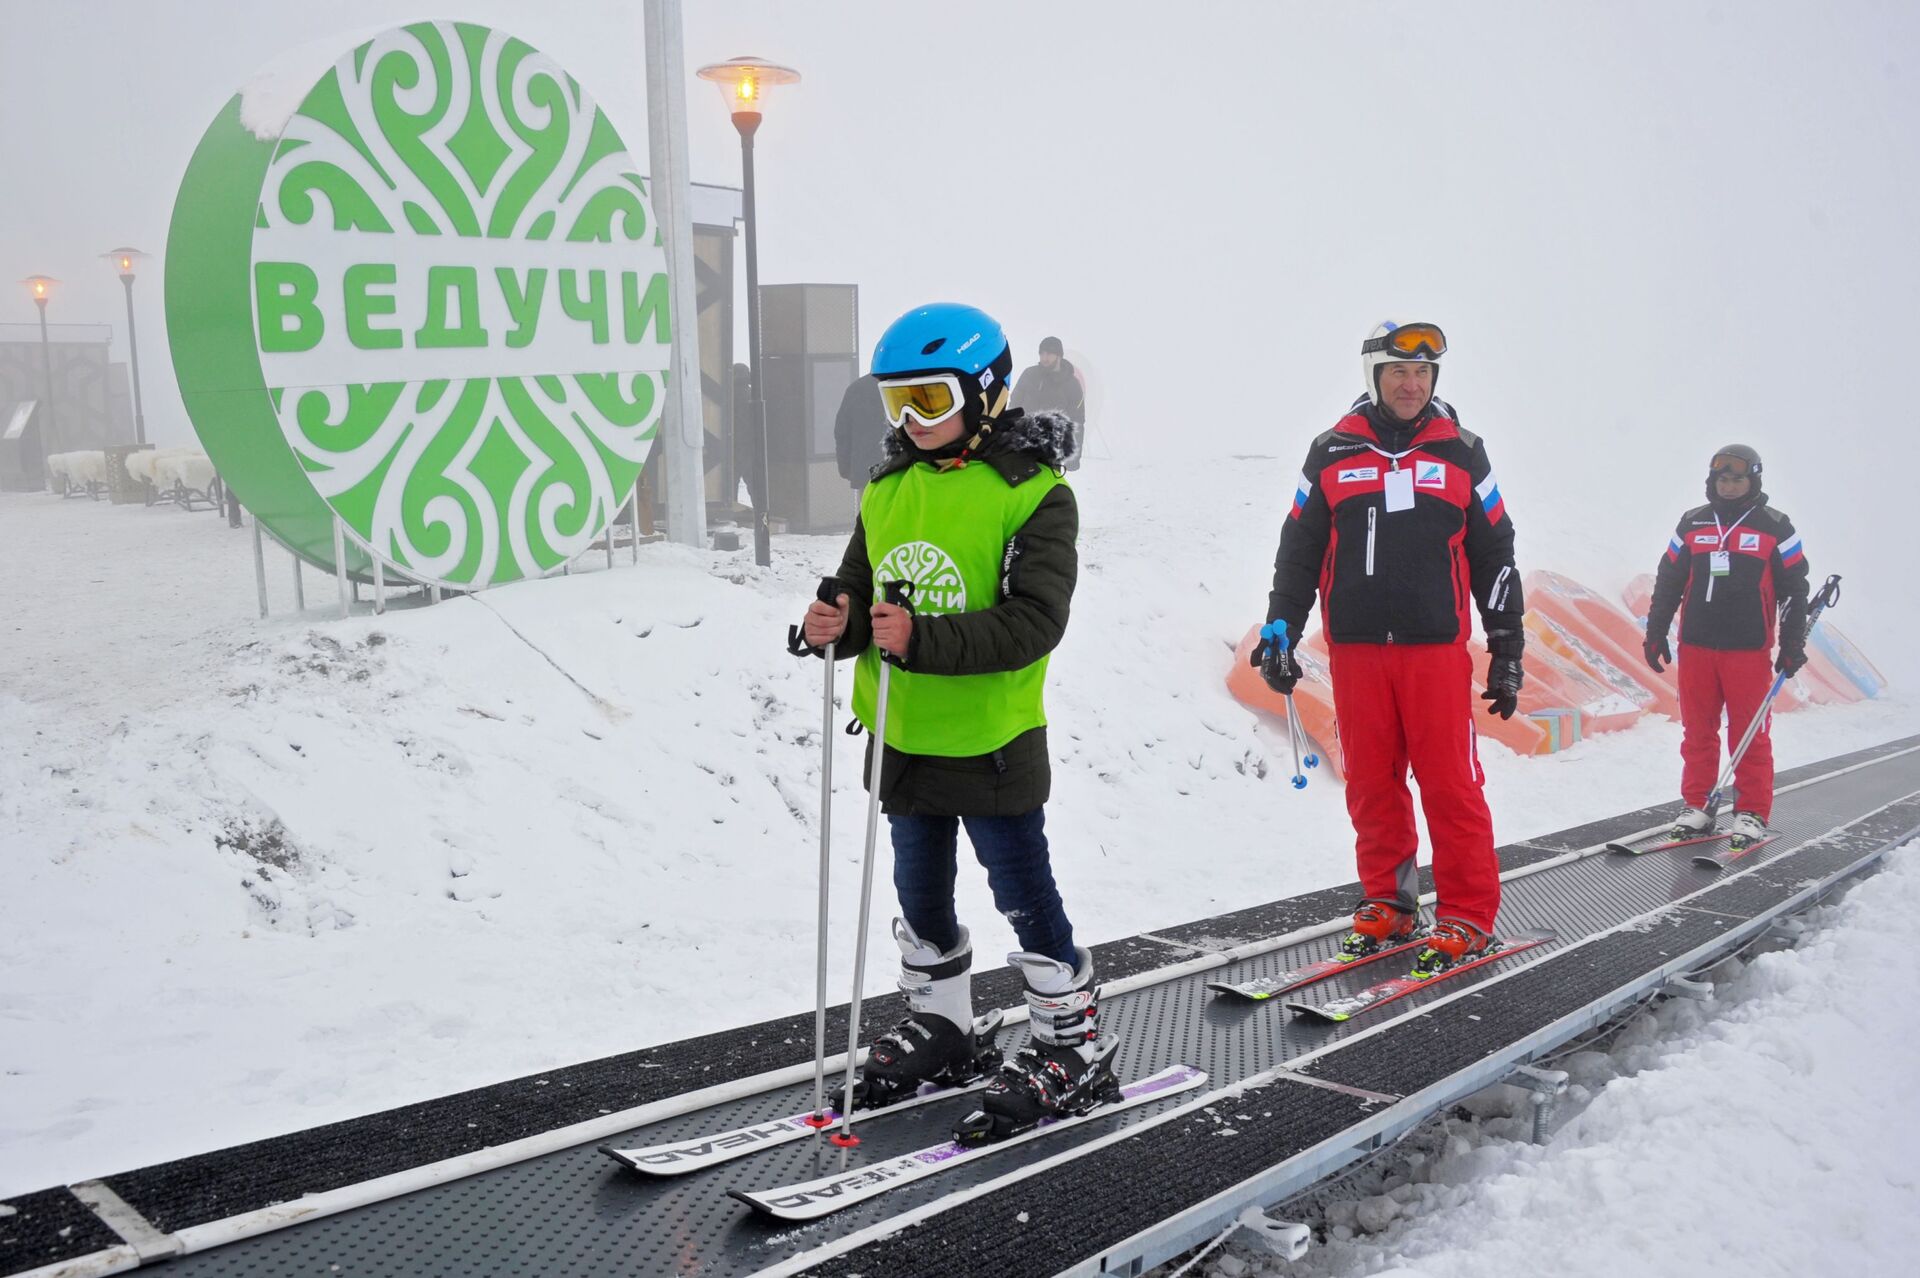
620 1157
1623 849
746 1196
1308 1011
1234 991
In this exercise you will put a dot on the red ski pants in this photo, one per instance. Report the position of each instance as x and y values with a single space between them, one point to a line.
1401 704
1710 681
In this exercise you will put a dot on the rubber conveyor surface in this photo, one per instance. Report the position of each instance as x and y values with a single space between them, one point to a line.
576 1212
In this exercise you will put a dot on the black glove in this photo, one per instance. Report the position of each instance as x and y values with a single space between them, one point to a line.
1280 670
1793 637
1657 653
1275 661
1504 675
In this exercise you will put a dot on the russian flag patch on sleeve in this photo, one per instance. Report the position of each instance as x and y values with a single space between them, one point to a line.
1490 499
1301 493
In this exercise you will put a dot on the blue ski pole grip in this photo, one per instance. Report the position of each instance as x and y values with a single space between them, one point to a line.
1275 633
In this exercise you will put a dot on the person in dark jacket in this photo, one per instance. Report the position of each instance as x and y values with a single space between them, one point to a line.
1730 567
1054 386
1397 522
860 430
970 507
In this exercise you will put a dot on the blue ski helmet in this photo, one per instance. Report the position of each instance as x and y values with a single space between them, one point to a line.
947 337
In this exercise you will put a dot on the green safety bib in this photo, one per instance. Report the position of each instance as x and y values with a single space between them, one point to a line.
946 531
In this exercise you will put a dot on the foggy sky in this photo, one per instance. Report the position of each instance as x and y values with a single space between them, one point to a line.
1648 228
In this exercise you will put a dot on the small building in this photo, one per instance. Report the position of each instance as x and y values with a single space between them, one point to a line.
85 409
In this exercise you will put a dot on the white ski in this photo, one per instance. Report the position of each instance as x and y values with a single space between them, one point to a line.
813 1199
677 1158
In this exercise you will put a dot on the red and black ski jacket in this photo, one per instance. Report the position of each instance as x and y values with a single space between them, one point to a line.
1401 576
1765 570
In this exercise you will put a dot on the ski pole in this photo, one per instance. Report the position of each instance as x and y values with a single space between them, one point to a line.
900 595
829 593
1824 598
1275 633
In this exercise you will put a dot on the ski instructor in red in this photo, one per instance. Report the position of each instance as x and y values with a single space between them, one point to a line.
1398 523
1731 567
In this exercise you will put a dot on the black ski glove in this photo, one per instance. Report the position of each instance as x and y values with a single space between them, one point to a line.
1504 675
1793 637
1275 660
1657 653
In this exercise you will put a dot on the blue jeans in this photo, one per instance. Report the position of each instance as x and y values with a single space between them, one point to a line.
1013 850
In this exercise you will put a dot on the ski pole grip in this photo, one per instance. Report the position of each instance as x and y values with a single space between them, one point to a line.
829 593
898 593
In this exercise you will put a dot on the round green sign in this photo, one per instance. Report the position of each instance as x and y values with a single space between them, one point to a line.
434 306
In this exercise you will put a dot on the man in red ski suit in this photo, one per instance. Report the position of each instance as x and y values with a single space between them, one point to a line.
1397 521
1732 566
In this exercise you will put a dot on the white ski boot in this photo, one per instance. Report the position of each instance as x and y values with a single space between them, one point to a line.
1066 1068
939 1042
1747 831
1691 824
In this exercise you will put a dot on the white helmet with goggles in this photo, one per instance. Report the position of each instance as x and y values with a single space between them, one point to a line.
1392 343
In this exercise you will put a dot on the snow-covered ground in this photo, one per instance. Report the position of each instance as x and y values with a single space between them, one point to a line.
266 875
1770 1131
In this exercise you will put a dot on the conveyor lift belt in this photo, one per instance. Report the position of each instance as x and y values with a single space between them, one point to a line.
1300 1099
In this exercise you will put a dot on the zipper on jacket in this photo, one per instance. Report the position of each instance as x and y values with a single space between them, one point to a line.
1373 513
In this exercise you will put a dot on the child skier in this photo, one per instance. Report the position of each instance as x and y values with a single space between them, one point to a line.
970 507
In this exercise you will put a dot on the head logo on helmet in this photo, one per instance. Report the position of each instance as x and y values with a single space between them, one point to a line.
949 338
1395 343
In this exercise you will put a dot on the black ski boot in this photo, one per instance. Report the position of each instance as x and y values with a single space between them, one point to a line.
1067 1066
930 1045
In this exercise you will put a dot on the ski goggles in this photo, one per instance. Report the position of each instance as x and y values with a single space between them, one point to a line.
930 399
1409 341
1732 470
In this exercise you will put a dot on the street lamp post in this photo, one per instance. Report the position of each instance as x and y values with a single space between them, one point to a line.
744 82
41 287
123 260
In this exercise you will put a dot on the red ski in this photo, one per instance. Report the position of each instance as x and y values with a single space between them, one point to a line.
1727 856
1345 1009
1660 843
1266 987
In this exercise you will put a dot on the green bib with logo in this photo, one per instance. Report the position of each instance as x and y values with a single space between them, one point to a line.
946 531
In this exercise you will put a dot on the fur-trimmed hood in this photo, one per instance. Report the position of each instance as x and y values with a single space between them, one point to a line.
1019 444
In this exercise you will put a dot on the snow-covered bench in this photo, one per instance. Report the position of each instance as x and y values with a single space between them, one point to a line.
78 473
183 476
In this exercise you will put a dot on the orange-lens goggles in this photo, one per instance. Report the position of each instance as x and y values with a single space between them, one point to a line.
1411 341
930 399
